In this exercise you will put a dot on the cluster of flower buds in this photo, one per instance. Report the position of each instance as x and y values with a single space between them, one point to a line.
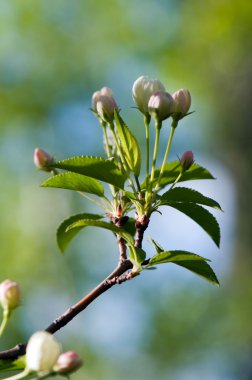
104 105
42 160
43 356
9 294
152 99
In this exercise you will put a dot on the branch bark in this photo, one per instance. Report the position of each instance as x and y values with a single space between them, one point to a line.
116 277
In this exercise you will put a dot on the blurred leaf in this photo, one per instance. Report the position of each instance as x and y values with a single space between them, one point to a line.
9 365
158 247
172 170
137 254
188 260
130 226
84 222
183 194
201 216
64 237
129 145
73 181
94 167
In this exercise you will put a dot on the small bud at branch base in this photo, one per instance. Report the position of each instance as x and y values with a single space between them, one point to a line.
9 294
67 363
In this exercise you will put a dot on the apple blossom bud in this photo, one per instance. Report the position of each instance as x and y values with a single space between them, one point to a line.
182 103
142 89
160 105
42 352
9 294
186 160
67 363
42 160
105 108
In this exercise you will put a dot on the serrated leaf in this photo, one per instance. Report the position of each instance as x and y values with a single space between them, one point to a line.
188 260
129 145
172 170
184 194
94 167
73 181
137 254
202 217
64 237
96 223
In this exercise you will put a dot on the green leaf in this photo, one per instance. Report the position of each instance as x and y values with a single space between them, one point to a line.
97 223
73 181
158 247
130 226
129 145
188 260
94 167
12 365
183 194
201 216
172 170
137 254
64 237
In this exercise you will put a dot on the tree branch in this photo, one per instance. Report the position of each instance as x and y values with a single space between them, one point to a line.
116 277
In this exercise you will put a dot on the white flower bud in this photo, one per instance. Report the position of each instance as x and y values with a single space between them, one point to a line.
9 294
142 90
42 352
182 103
67 363
160 105
42 160
105 108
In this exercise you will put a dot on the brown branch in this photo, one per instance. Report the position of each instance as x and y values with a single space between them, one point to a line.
141 225
116 277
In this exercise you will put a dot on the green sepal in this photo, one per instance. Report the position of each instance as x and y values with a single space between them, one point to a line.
188 260
64 237
184 194
105 170
129 145
172 171
77 182
84 222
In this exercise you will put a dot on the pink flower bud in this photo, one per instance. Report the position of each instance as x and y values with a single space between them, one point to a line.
67 363
182 103
105 108
160 105
9 294
42 352
142 90
186 160
42 160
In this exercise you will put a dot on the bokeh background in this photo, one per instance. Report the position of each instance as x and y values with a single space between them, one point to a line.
166 324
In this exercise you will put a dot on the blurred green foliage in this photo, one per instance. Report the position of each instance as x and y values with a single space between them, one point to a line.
54 54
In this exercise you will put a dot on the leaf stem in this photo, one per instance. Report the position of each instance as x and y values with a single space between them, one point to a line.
147 133
108 151
6 317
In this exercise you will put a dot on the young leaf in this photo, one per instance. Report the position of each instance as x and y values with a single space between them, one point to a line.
85 222
137 254
188 260
201 216
129 145
183 194
94 167
73 181
158 247
172 170
64 237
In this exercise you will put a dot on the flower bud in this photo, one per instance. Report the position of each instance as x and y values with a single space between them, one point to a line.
186 160
67 363
9 294
142 90
105 108
42 352
182 103
160 105
42 160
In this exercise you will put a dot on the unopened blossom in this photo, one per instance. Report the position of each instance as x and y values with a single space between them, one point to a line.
9 294
182 103
160 105
104 104
42 159
67 363
142 90
186 160
42 352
